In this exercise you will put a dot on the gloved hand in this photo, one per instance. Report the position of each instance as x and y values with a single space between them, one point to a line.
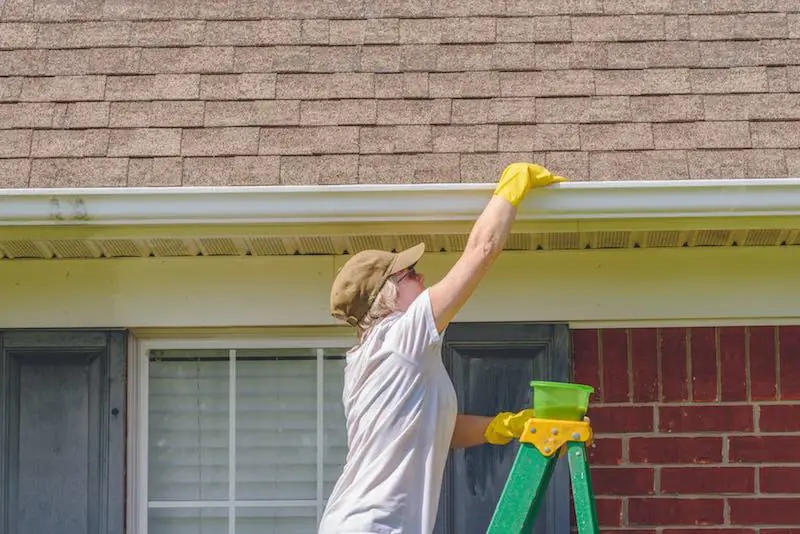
506 426
518 178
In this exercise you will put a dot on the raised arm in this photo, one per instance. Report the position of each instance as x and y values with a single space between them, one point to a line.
486 240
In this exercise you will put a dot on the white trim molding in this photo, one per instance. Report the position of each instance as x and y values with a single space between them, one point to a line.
571 201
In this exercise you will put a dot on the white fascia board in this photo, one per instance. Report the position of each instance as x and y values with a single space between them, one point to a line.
575 201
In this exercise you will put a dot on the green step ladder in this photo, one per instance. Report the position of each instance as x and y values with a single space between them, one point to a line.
552 432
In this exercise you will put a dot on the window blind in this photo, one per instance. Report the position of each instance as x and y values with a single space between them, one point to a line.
188 425
251 440
276 420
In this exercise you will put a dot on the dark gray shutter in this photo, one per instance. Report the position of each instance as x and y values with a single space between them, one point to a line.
491 365
62 424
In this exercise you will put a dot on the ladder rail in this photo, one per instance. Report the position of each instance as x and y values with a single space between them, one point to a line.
582 494
523 493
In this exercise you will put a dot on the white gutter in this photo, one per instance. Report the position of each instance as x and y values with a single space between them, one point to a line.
574 201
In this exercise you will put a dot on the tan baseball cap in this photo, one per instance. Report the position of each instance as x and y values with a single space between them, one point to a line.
360 280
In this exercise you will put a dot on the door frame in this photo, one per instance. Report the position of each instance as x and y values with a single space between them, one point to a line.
17 346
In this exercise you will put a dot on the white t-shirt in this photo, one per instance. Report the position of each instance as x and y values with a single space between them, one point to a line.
400 406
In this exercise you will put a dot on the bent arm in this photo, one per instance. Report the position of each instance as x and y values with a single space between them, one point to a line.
470 431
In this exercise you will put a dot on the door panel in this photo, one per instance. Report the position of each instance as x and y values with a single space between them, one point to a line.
53 464
61 433
491 366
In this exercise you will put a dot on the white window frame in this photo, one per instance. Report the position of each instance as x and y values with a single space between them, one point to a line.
138 406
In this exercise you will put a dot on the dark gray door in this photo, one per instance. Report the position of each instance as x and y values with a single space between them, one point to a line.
62 416
491 365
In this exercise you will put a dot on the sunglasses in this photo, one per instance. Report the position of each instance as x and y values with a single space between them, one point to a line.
408 272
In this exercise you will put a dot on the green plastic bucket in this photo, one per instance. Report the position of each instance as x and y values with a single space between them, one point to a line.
560 400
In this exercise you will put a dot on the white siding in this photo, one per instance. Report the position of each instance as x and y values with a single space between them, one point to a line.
694 284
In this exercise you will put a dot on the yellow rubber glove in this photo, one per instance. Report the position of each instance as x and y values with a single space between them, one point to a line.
506 426
518 178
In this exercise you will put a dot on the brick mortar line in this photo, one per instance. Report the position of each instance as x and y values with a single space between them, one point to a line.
656 419
690 466
688 404
705 496
757 418
659 528
657 479
699 529
659 468
624 511
757 480
726 449
698 434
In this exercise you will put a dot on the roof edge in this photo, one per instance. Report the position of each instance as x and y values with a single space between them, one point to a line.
570 201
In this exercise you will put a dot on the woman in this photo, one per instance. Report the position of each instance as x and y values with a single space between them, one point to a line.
399 402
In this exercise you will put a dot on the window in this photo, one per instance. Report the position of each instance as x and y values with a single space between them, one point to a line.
239 440
250 437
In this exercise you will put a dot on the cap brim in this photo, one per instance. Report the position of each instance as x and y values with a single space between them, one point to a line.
407 258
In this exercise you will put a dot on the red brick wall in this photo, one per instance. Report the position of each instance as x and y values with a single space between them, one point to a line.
696 427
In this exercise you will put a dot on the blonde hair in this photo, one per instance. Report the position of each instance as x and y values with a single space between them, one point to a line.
385 304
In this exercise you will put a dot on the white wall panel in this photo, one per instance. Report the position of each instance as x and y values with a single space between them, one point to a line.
691 284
